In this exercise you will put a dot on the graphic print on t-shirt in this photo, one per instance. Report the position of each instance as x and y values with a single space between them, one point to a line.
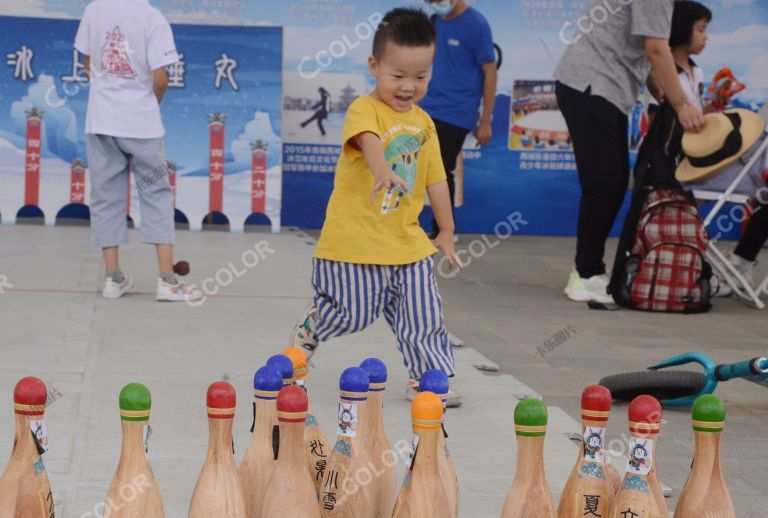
114 55
402 155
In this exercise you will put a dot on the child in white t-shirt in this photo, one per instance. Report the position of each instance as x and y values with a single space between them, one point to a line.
688 37
127 45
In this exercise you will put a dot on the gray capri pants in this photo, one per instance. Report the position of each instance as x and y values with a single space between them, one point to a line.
108 167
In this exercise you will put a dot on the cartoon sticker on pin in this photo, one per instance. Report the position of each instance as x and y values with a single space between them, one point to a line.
147 435
640 456
347 419
414 447
594 438
40 433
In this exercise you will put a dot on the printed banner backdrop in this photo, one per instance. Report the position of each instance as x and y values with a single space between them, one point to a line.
221 116
528 166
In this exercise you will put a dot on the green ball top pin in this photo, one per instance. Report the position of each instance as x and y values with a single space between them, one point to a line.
135 402
708 414
530 418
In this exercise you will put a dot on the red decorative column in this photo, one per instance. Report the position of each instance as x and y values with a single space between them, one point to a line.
259 177
216 167
32 157
77 182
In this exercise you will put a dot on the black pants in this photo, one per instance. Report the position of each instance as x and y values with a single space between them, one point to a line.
451 139
755 235
599 135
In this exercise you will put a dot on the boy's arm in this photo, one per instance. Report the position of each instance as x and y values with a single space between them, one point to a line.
665 73
159 83
370 144
440 199
483 133
87 66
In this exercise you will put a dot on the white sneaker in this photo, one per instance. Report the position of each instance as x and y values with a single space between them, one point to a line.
594 289
743 266
114 290
178 292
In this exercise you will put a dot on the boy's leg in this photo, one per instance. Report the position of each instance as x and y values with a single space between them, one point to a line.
348 298
108 169
156 204
415 314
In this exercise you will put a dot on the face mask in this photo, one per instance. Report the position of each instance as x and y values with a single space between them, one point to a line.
443 8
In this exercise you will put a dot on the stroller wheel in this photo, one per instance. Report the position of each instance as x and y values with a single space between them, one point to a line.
661 384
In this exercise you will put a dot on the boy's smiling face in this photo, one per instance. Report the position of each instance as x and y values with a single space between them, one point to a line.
402 74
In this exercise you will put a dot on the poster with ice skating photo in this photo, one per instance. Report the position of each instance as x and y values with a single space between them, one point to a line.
221 116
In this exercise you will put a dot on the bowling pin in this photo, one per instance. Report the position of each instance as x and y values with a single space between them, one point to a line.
348 486
133 492
422 494
529 496
383 458
588 490
219 491
284 365
259 458
614 479
290 492
640 495
436 381
315 440
705 494
24 488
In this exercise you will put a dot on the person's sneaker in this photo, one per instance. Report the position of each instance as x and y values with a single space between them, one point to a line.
594 289
179 292
453 400
303 334
114 290
743 266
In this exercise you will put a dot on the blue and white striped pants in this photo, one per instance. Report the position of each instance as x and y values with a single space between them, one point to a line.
349 297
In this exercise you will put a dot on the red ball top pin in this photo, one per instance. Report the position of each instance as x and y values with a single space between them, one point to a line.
595 404
645 415
222 400
292 404
30 396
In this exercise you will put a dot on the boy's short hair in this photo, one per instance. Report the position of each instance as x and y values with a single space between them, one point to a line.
686 14
406 27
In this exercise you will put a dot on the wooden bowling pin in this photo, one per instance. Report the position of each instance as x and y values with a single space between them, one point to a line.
133 492
422 494
315 441
348 488
436 381
383 458
588 490
259 458
614 479
529 496
290 492
24 488
640 495
219 491
705 494
284 365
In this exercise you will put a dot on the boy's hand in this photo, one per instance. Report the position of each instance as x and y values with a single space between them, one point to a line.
444 242
390 179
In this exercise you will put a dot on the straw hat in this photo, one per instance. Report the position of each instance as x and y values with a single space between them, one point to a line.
726 136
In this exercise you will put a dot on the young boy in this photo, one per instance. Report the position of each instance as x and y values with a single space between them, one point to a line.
372 256
127 45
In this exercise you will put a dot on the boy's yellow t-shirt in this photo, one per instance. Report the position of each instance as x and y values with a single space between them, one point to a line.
386 231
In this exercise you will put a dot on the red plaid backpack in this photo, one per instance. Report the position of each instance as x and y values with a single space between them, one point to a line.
666 269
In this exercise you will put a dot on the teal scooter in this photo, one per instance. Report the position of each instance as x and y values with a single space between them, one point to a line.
677 388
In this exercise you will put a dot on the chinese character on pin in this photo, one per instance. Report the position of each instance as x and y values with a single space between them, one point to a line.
225 69
176 72
22 60
75 77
